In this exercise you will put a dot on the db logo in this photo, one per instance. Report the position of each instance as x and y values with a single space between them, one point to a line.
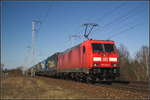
105 59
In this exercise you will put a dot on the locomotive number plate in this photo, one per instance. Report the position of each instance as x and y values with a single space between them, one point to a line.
105 65
105 59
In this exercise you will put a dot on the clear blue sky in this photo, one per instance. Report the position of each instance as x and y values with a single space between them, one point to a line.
128 20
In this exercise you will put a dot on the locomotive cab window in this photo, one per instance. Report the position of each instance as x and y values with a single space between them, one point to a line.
109 47
97 47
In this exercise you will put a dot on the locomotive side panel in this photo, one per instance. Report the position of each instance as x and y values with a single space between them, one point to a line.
86 55
70 61
75 58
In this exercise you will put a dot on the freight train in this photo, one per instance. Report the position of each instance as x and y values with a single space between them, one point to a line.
91 60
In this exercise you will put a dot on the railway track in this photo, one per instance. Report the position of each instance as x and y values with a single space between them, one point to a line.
131 86
137 86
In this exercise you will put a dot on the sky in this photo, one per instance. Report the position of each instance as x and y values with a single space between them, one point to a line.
125 22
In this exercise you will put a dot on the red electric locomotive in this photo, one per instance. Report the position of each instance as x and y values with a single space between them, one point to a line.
90 60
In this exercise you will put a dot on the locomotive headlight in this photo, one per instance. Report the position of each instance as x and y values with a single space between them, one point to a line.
114 65
96 58
112 59
96 64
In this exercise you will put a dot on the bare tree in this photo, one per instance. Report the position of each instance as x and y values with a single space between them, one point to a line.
134 69
123 54
142 57
125 67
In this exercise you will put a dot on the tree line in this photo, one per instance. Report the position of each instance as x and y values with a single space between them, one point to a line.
136 68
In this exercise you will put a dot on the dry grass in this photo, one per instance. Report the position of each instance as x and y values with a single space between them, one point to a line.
14 86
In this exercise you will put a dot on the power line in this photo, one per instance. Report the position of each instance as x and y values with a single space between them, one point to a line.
123 25
47 13
121 17
105 15
122 32
45 16
76 35
126 16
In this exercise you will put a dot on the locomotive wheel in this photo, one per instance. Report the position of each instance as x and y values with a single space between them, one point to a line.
81 79
89 79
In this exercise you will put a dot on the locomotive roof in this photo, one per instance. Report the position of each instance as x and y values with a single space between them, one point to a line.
72 48
98 40
86 41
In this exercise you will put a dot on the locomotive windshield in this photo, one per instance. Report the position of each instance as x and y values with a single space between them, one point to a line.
98 47
109 47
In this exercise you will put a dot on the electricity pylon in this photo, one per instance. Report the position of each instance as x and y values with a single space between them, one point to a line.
34 32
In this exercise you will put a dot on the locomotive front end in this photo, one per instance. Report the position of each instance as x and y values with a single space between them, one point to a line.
104 60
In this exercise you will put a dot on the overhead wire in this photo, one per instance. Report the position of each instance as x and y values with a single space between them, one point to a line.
125 24
122 32
108 13
75 35
125 19
121 17
118 19
43 19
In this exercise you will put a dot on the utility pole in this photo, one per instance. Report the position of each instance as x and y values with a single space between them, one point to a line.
34 32
91 26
